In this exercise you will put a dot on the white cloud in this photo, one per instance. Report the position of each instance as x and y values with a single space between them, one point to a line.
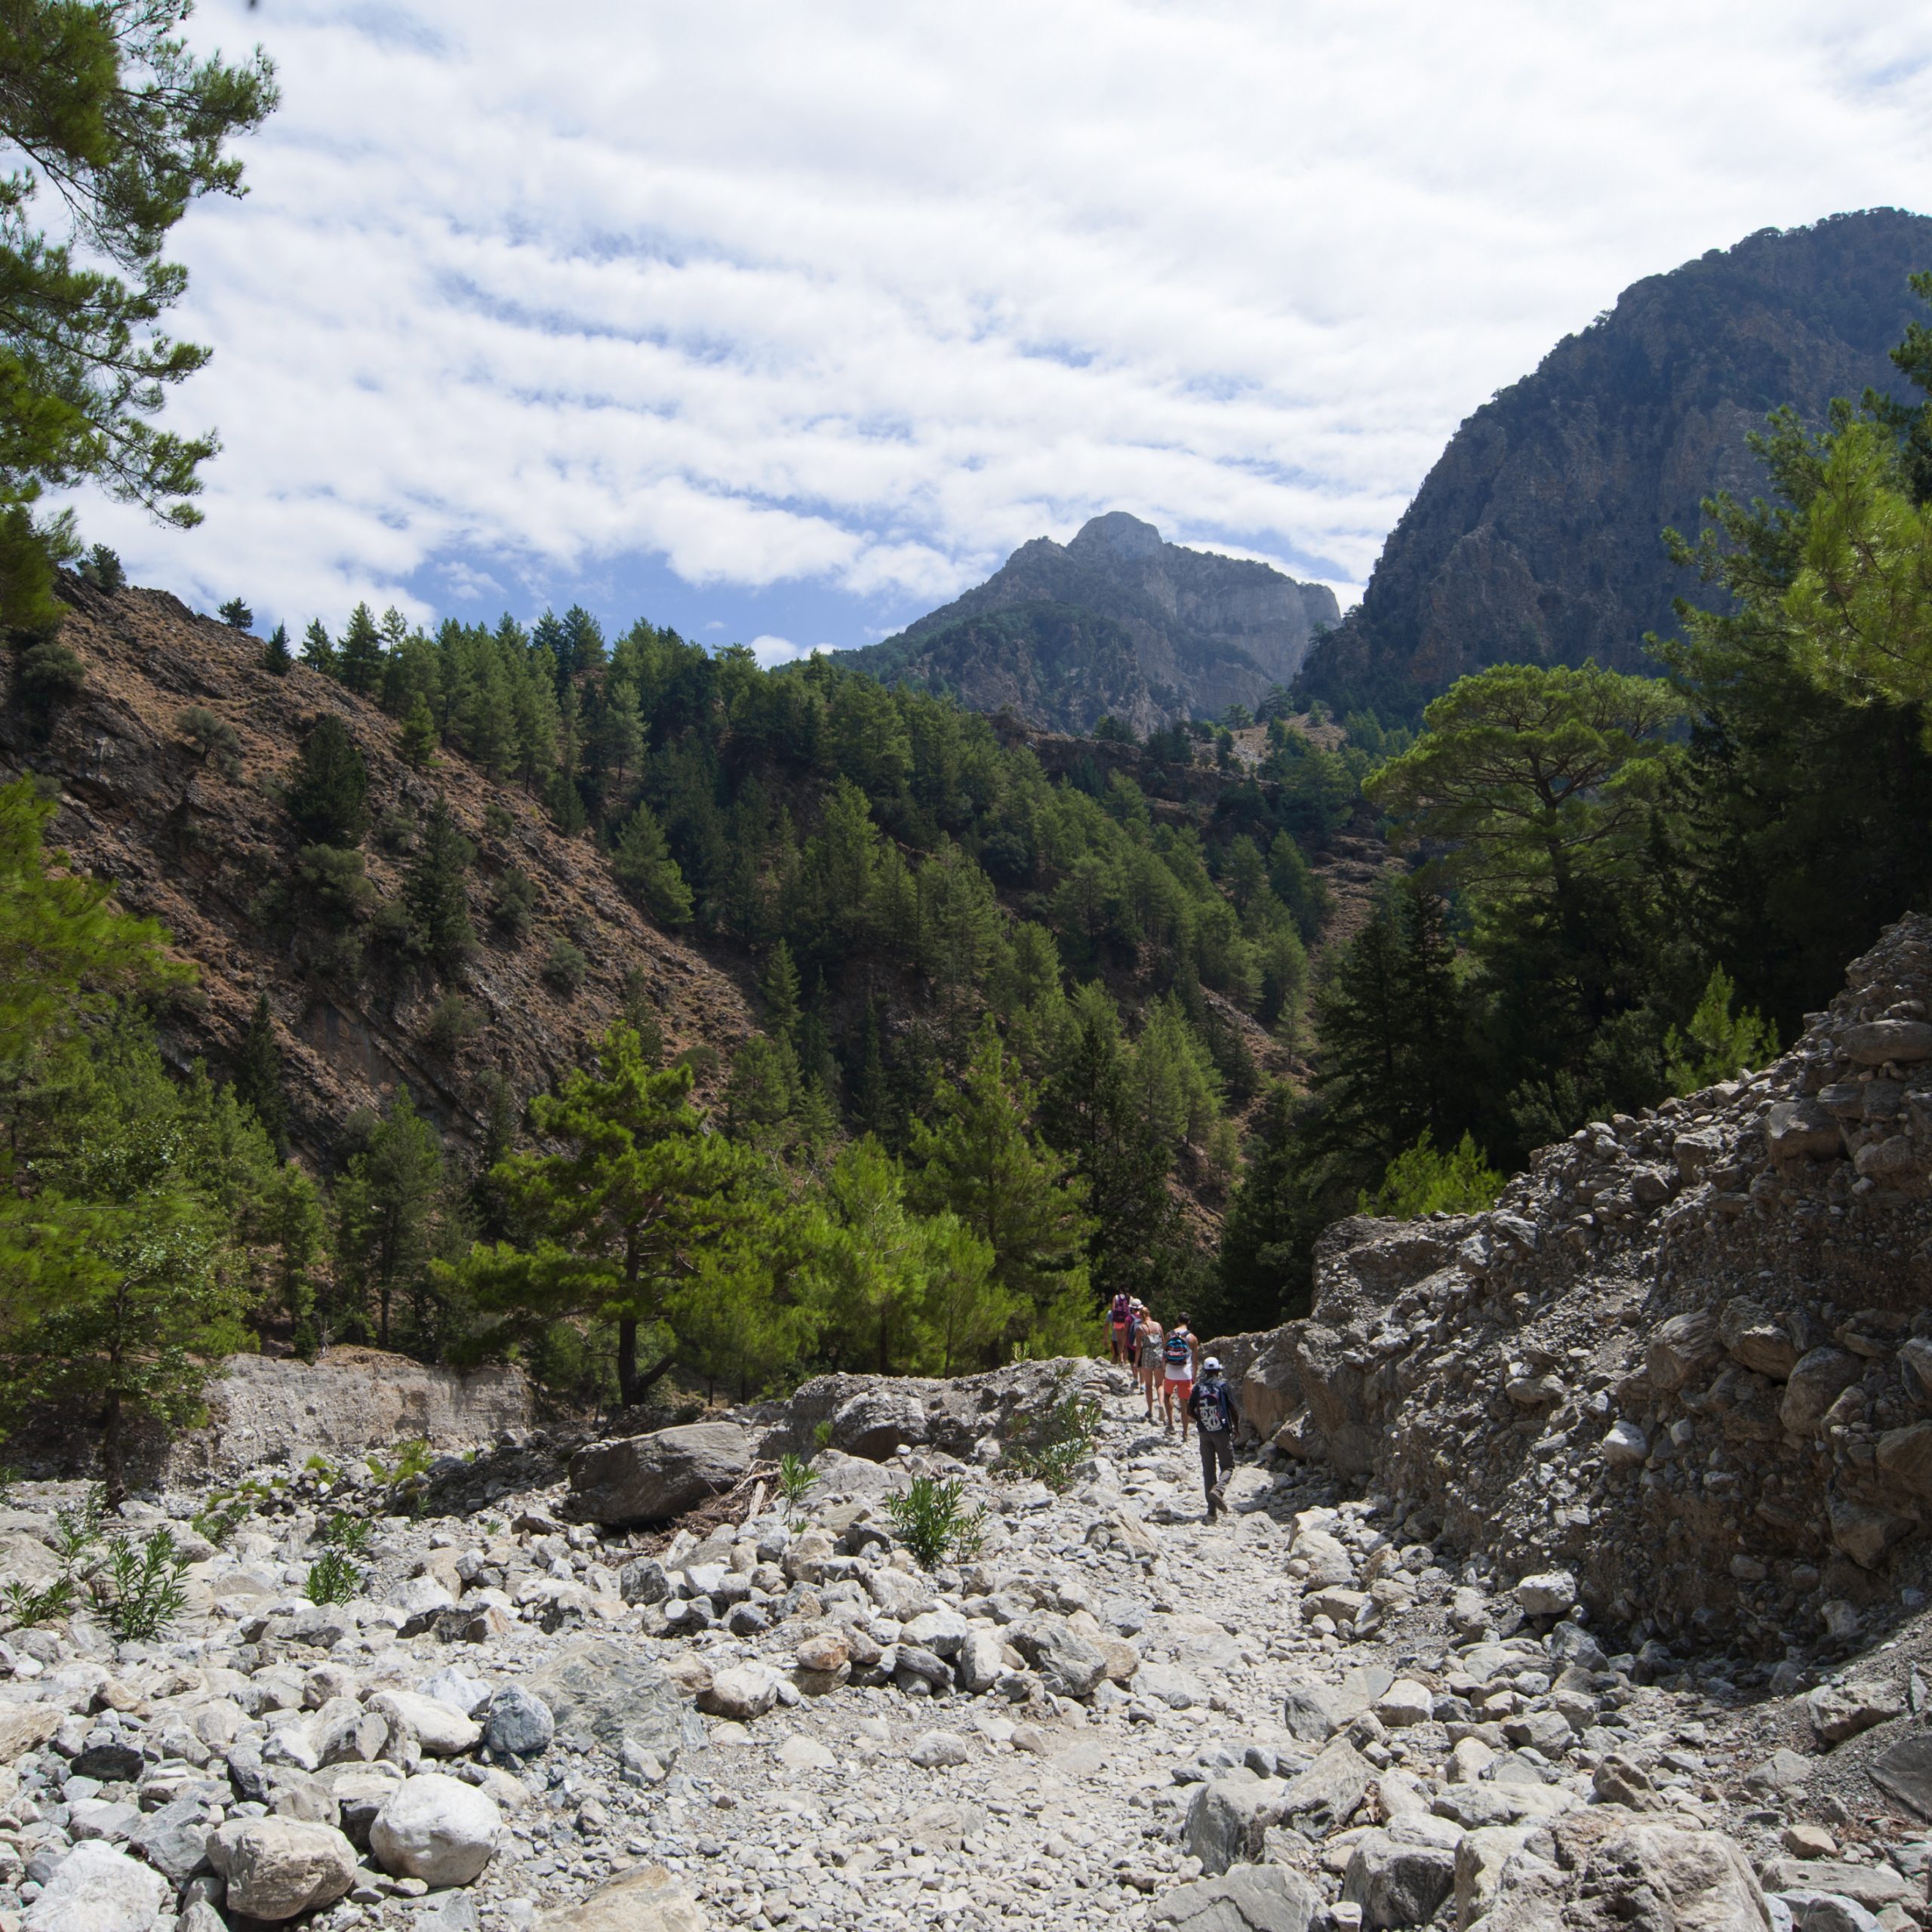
770 650
859 299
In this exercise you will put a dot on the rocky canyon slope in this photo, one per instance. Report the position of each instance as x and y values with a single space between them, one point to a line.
195 841
1115 622
1534 538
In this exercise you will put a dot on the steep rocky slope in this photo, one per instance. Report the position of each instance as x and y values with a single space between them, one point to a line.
1534 538
1689 1354
194 846
1116 621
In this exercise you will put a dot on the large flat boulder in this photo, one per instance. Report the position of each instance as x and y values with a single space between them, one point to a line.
652 1478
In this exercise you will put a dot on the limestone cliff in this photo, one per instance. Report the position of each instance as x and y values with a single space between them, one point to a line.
1535 538
1116 621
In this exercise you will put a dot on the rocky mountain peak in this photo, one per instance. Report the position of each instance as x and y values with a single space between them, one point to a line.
1116 621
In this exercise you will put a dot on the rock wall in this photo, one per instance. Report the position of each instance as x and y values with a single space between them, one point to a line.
1689 1354
268 1410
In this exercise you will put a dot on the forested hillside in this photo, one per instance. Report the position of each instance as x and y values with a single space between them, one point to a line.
925 1051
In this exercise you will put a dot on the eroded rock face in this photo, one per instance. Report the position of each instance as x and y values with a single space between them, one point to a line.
1688 1356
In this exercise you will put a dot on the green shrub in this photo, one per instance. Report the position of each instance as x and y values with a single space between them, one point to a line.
513 903
148 1593
1053 1450
453 1023
333 1578
349 1533
933 1521
563 971
794 1478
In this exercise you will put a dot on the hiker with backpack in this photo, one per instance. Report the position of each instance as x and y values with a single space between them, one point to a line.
1147 1338
1179 1353
1212 1406
1120 1327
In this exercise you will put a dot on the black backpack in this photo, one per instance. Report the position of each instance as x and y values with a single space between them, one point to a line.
1216 1412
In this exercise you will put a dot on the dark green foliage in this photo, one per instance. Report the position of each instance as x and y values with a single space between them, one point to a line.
327 794
102 568
416 739
565 967
934 1519
237 616
147 1590
276 657
333 1577
47 674
358 659
258 1073
212 737
646 870
513 903
317 652
120 128
453 1023
435 895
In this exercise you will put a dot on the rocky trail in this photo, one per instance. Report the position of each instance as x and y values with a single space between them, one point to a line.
1116 1713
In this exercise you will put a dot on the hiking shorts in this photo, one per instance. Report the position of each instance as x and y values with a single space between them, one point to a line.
1182 1386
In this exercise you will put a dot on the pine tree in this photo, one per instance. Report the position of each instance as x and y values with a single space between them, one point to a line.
779 987
977 1159
416 738
317 650
636 1195
276 656
359 660
386 1209
645 868
258 1074
434 893
237 616
327 794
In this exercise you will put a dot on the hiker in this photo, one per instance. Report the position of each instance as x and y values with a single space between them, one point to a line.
1147 1355
1178 1356
1120 1327
1212 1406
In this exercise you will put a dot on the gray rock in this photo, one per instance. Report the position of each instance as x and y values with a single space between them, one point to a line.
1324 1797
437 1829
1874 1887
1812 1911
1249 1898
1552 1593
981 1660
1841 1711
1226 1817
916 1664
174 1840
360 1792
1661 1875
96 1888
875 1423
1068 1665
1400 1875
277 1868
518 1725
607 1691
745 1691
1314 1712
643 1580
935 1750
651 1478
1819 1378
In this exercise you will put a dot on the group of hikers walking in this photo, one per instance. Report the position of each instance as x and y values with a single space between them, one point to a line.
1167 1364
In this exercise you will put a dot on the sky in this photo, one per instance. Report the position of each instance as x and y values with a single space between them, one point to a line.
783 325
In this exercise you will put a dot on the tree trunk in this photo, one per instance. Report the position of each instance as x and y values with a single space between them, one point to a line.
627 1388
113 1472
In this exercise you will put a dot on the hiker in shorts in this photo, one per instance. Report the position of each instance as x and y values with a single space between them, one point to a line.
1120 1327
1212 1406
1147 1356
1178 1354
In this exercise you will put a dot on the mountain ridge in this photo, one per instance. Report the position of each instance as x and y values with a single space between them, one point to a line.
1535 536
1116 621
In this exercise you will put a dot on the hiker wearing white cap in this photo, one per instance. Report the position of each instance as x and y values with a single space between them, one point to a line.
1211 1404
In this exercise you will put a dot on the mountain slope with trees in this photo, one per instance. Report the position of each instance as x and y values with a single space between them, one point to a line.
1114 623
1535 538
